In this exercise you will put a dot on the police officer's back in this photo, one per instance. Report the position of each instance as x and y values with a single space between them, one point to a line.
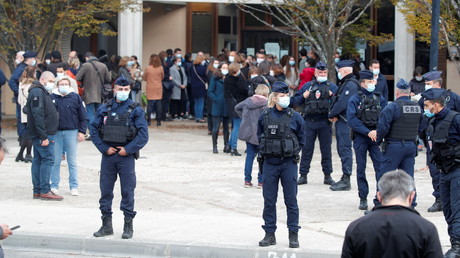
119 131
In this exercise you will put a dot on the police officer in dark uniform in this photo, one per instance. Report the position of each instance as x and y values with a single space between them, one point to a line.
398 129
281 137
433 85
119 131
348 87
362 114
315 99
443 137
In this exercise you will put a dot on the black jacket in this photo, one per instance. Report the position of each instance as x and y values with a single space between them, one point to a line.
72 111
391 231
236 90
42 116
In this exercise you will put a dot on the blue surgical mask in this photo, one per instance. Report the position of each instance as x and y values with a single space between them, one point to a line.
291 63
370 87
122 95
49 86
336 60
284 101
33 62
428 113
64 90
321 79
224 71
179 63
376 71
339 75
130 63
166 59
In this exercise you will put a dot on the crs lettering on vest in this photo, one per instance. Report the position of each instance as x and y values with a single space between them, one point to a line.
273 129
412 110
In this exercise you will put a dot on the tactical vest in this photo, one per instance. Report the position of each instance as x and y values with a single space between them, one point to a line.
369 109
406 127
342 88
445 155
116 128
278 140
318 102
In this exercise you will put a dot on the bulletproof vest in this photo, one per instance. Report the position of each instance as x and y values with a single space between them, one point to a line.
369 109
341 89
319 101
406 127
116 128
278 140
445 155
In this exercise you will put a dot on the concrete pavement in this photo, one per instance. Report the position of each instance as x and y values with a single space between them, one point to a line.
190 203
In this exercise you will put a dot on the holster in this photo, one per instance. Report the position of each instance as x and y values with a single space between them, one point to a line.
352 135
260 160
383 146
136 155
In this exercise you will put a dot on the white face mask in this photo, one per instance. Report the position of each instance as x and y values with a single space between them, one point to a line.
224 71
216 65
64 89
284 101
272 73
33 62
59 75
376 71
231 59
419 78
321 79
428 86
260 60
203 62
49 86
48 61
253 76
17 61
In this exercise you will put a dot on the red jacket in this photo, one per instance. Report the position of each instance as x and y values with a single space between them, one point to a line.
307 75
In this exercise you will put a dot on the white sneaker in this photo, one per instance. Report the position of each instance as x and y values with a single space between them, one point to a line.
74 192
54 190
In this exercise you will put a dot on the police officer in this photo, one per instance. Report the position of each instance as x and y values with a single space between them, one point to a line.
398 128
433 85
119 131
281 137
349 86
315 99
443 136
362 114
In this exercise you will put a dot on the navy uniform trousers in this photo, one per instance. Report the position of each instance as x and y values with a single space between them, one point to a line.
363 144
286 172
342 132
434 173
449 186
323 130
111 167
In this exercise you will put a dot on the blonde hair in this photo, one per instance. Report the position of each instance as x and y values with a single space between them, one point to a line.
233 68
63 78
262 89
198 60
271 99
123 61
74 62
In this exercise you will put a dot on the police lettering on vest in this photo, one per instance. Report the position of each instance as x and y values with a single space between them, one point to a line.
369 109
446 156
319 101
406 127
278 140
116 128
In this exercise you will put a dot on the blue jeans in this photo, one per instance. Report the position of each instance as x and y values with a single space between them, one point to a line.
42 164
251 151
91 111
234 135
135 96
65 141
199 107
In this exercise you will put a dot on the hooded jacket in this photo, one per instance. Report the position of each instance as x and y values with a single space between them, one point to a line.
72 111
250 110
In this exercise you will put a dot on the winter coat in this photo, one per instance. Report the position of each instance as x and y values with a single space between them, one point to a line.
217 95
250 111
72 111
91 81
153 76
14 79
305 76
197 79
176 79
22 99
236 90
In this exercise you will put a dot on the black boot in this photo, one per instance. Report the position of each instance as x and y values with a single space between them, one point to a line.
106 228
19 157
235 152
293 239
363 204
128 228
342 185
28 158
214 143
454 251
328 180
268 240
302 180
437 206
226 149
158 122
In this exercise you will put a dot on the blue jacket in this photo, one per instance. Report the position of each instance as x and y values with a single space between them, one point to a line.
347 89
72 112
299 100
216 93
452 103
382 86
389 114
2 78
137 119
353 121
198 87
454 129
14 79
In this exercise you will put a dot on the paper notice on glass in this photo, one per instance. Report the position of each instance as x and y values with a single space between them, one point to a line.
272 48
283 53
251 51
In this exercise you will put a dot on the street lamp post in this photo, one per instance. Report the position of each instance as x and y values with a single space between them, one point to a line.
434 46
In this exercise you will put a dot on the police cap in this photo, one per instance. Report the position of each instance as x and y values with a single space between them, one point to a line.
280 87
121 81
433 75
366 75
345 63
402 84
30 54
321 66
434 94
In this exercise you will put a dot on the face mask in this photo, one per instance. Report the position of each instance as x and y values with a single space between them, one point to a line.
179 63
17 61
260 60
336 60
203 62
64 90
428 86
178 55
59 75
238 73
48 61
428 113
284 101
321 79
291 63
130 63
339 75
33 63
231 59
216 65
253 76
419 79
122 95
166 59
49 86
272 73
370 87
376 71
224 71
